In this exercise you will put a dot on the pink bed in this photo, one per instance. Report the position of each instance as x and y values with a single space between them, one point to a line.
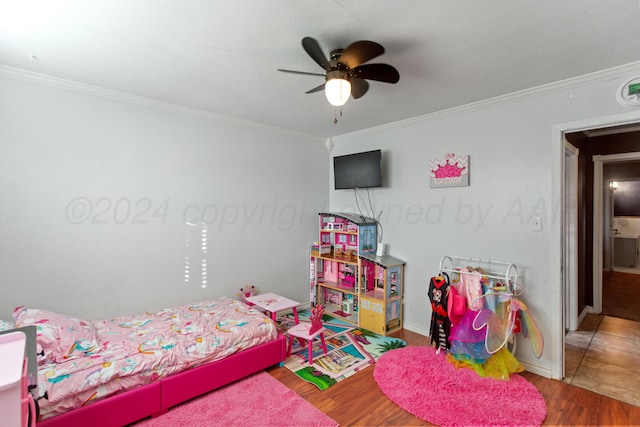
116 371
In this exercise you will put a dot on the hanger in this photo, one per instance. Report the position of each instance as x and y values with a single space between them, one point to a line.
442 276
446 276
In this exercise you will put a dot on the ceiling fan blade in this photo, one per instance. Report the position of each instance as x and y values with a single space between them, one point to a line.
360 52
380 72
314 50
301 72
358 87
316 89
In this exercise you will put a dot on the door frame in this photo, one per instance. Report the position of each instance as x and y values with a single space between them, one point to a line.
600 189
570 236
556 260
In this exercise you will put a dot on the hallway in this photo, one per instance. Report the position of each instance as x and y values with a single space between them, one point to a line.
620 296
603 355
634 270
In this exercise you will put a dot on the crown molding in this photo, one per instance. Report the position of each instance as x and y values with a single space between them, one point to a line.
622 71
58 83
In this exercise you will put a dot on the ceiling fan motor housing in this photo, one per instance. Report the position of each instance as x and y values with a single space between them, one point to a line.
336 69
338 74
335 54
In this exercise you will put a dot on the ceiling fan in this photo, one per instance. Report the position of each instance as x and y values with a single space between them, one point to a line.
346 73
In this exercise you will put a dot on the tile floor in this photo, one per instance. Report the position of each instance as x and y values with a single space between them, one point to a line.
603 356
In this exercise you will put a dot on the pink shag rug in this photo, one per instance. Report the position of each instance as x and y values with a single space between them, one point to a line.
258 400
424 384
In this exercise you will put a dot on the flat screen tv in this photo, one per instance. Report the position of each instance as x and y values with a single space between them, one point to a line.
359 170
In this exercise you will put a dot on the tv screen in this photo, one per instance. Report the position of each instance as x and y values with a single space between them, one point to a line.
360 170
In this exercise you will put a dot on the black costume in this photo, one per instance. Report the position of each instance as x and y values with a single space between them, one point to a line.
440 323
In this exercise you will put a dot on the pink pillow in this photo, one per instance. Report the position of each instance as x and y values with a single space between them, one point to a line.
58 337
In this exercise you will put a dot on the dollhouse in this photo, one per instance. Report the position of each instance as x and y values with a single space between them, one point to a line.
350 280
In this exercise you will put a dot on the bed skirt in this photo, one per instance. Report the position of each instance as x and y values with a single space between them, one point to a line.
158 397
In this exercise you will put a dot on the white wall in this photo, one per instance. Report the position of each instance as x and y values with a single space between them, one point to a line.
512 152
96 194
627 225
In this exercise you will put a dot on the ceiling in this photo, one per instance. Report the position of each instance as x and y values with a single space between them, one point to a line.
221 56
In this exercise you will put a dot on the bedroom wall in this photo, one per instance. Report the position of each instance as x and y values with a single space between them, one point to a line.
104 203
512 152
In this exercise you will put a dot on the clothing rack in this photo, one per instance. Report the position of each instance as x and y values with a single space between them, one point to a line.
500 270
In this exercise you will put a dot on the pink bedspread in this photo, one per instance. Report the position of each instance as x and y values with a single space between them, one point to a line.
140 349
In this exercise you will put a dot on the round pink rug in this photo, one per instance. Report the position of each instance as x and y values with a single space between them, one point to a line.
424 384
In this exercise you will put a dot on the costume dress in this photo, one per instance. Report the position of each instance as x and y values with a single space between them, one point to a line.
440 323
468 348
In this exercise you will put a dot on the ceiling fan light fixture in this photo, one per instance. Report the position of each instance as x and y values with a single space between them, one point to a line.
337 89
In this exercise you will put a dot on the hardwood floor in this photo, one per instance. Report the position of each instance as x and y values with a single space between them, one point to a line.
620 296
357 401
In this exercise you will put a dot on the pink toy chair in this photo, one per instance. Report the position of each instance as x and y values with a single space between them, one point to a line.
309 331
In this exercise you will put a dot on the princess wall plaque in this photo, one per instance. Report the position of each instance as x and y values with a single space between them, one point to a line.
450 171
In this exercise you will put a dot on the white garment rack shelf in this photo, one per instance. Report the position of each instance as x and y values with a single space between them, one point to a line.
500 270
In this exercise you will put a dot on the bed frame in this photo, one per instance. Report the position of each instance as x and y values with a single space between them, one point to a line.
156 398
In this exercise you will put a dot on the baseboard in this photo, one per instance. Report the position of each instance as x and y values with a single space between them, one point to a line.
536 369
418 329
587 310
303 306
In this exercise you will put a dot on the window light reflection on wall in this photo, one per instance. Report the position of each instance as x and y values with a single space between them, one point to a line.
203 248
203 253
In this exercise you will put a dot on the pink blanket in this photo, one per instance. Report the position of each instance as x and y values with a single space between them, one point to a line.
140 349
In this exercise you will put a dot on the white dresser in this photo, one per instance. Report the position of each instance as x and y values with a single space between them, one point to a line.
14 405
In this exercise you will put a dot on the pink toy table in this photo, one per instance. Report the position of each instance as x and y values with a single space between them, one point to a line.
274 303
301 331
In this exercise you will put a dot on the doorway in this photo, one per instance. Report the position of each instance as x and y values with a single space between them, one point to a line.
603 225
597 332
567 280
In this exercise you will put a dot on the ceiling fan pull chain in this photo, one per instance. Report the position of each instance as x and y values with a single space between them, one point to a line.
335 115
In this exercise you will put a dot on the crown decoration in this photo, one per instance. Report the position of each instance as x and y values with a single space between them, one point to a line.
450 171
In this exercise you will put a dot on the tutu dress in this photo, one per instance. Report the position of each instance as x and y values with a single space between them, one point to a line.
467 348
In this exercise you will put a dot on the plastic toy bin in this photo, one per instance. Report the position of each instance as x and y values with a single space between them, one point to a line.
12 371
